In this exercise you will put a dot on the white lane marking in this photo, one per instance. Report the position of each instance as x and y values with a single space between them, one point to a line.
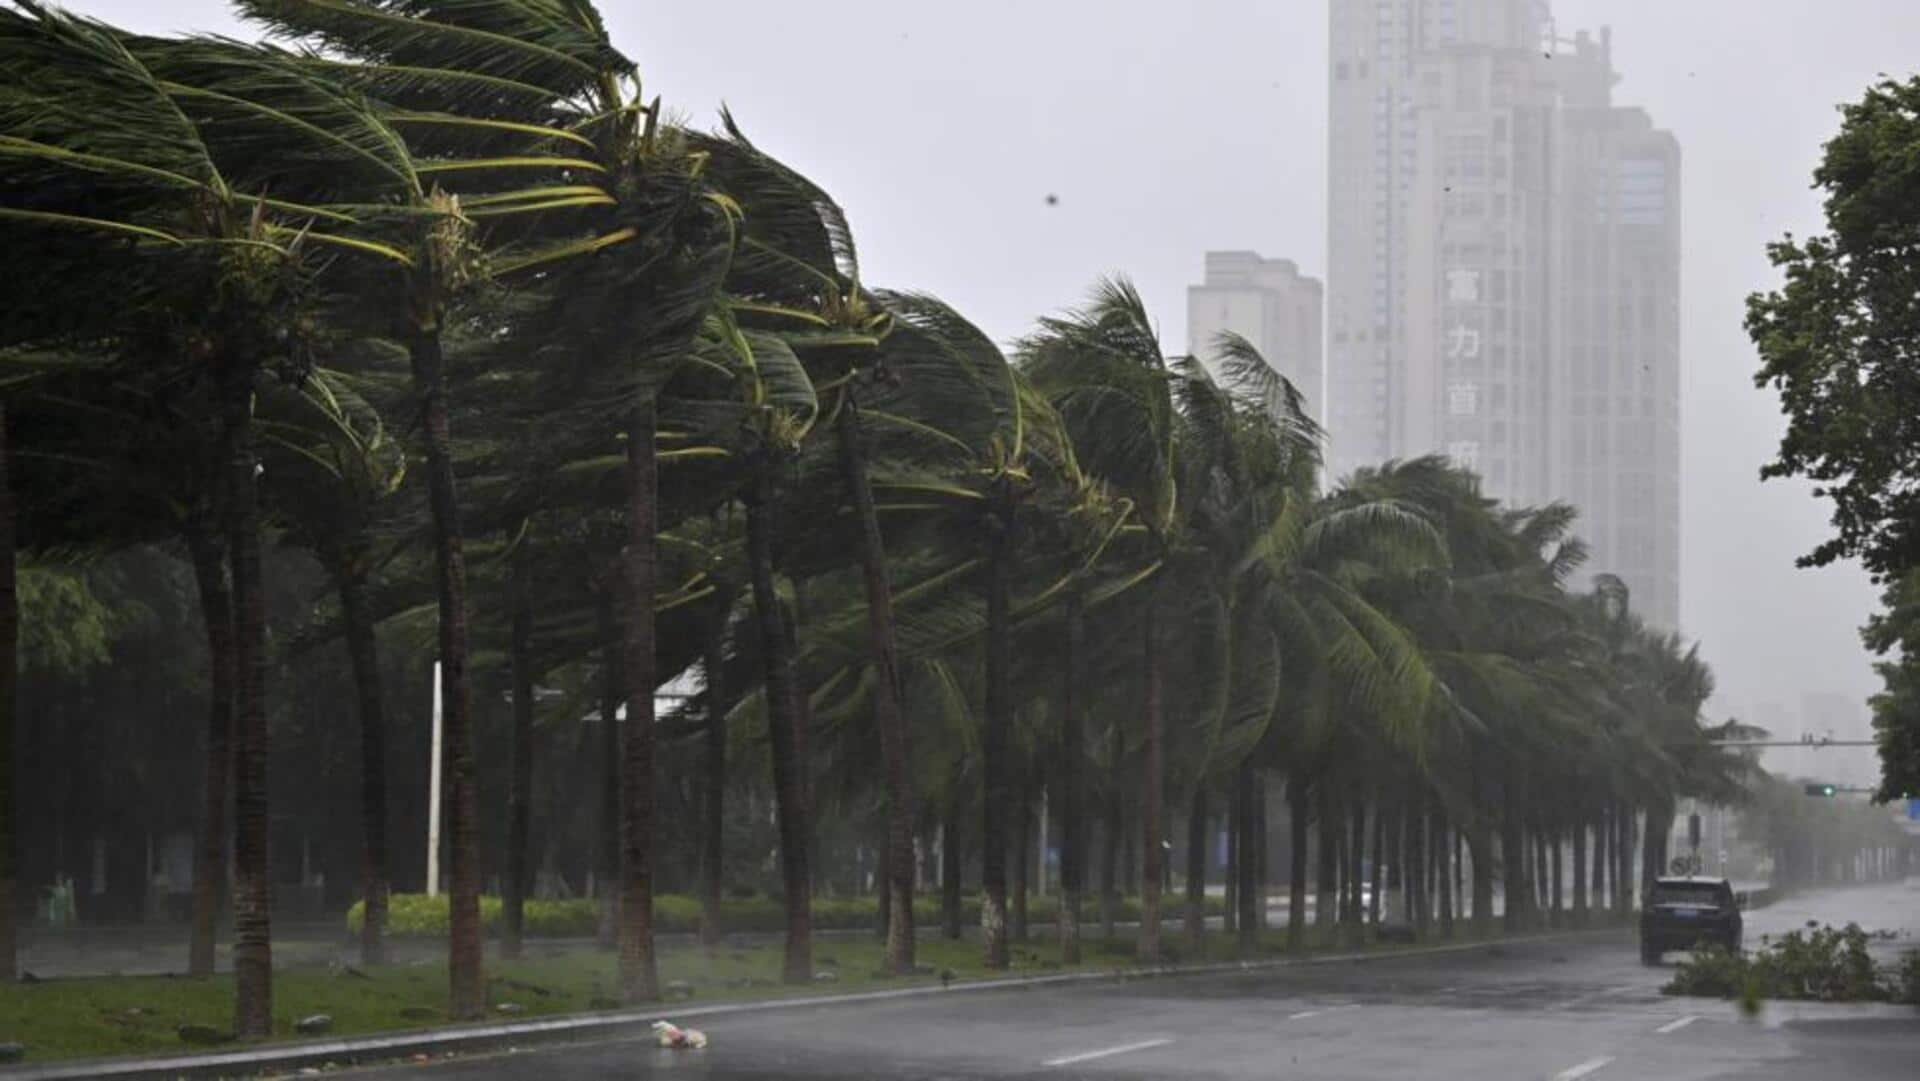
1582 1070
1303 1015
1089 1056
1675 1026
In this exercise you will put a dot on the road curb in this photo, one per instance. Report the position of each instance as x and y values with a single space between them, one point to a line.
468 1039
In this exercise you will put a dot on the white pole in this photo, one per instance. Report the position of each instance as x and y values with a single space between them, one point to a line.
433 795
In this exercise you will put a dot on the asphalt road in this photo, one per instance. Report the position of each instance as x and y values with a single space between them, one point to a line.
1561 1010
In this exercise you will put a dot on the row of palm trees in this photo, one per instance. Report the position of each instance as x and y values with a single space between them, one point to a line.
434 292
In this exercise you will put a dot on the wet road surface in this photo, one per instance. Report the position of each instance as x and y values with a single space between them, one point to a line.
1561 1010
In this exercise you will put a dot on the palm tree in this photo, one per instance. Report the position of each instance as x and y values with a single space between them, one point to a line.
195 126
462 76
1104 370
334 473
776 409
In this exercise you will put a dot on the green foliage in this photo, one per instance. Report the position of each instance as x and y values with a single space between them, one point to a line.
1820 963
66 627
1895 634
1836 339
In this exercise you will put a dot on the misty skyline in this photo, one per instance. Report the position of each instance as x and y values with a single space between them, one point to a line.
1167 130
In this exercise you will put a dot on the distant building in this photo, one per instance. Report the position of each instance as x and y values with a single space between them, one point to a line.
1503 271
1614 404
1269 303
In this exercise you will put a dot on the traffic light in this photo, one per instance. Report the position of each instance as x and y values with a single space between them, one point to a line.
1821 790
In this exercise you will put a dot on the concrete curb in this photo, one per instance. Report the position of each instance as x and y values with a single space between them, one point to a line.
469 1039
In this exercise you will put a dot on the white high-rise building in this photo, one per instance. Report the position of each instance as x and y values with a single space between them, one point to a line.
1269 303
1503 271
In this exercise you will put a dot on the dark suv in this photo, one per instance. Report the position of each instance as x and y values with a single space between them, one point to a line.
1681 913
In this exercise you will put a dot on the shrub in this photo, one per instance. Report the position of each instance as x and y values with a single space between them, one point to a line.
1711 972
415 915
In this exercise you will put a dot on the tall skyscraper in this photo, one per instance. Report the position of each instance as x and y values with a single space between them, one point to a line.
1614 414
1269 303
1503 270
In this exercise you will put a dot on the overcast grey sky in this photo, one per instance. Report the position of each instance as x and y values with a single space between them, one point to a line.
1175 126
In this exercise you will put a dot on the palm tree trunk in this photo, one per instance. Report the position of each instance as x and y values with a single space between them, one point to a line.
1356 871
520 782
1246 863
996 723
1298 813
1400 864
882 887
786 738
1513 862
714 774
1197 870
253 867
888 722
1110 862
1616 860
1379 863
1542 882
1073 830
1602 842
9 691
376 876
1022 862
1326 899
1443 849
1230 870
1417 863
1257 853
1628 820
1558 860
639 978
950 866
613 692
1579 874
1479 838
1654 843
209 553
466 981
1151 854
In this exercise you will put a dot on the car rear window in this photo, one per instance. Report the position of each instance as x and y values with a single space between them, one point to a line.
1686 893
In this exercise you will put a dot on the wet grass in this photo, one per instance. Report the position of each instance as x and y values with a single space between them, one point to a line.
142 1015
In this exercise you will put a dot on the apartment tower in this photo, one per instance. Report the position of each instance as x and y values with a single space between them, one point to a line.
1503 270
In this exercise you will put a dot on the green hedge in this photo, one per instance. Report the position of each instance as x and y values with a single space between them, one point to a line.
415 915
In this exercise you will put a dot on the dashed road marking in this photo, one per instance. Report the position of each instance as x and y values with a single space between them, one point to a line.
1574 1073
1108 1052
1303 1015
1675 1026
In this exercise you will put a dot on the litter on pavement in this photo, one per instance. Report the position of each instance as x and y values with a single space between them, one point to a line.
672 1035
